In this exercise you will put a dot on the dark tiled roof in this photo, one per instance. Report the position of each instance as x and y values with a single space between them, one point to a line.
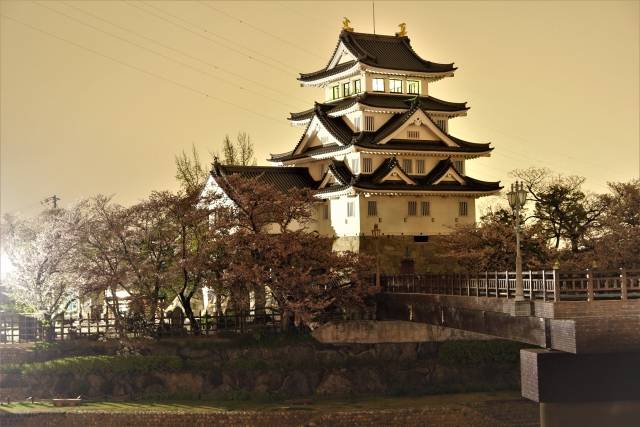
281 178
423 182
341 171
428 103
326 73
381 51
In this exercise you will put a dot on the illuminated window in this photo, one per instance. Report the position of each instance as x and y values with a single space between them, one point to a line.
463 209
357 86
346 89
335 90
355 166
372 208
395 86
420 166
425 208
367 165
413 87
378 85
412 208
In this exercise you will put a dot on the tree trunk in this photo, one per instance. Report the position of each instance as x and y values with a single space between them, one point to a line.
49 327
186 304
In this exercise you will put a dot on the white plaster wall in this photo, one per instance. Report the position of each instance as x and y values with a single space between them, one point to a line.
341 224
393 215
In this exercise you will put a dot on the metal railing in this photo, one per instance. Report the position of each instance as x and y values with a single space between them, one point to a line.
15 328
553 285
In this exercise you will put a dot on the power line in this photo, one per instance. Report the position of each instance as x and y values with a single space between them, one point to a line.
181 52
226 39
283 40
160 54
141 70
53 200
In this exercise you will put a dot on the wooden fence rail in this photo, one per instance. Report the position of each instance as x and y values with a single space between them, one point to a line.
16 328
547 285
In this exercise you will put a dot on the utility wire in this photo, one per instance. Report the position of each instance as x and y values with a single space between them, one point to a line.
182 52
260 30
155 52
141 70
199 34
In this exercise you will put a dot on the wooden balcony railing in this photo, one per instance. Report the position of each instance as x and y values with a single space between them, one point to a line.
553 285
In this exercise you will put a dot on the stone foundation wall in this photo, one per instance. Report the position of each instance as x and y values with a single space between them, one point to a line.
393 249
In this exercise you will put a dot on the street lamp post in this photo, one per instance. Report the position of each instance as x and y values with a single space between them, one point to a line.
517 198
376 236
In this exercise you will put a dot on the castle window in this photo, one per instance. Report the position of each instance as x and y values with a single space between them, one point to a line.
442 124
459 165
346 89
350 209
407 165
378 85
425 208
357 88
356 124
395 86
367 165
368 123
325 211
412 208
372 208
335 90
413 134
463 209
420 166
355 166
413 87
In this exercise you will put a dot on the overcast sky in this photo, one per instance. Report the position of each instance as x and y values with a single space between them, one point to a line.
98 97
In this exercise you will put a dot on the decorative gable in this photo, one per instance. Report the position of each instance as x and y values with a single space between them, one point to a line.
450 175
341 55
420 122
316 135
390 171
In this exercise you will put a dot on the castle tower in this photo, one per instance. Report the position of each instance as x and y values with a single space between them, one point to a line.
377 149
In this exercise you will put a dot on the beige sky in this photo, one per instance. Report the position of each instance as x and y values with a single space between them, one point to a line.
549 84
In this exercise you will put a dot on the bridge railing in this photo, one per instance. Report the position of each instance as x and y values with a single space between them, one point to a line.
547 285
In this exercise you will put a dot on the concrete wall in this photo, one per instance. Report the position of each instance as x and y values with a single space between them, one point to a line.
392 331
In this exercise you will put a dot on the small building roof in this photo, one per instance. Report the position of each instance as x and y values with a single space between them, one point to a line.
381 51
281 178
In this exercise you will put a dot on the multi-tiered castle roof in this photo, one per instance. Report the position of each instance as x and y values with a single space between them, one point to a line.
378 132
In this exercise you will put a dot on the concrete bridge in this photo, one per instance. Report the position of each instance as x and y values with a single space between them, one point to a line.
586 325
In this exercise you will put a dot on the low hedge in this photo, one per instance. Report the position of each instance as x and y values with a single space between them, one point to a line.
98 364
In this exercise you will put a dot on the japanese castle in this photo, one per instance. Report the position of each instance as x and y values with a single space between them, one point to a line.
377 151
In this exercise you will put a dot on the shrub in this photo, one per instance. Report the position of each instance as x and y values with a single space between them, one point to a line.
101 364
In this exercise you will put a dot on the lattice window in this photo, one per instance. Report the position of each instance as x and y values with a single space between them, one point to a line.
413 87
346 89
425 208
325 211
350 209
420 166
463 209
442 124
372 208
407 165
357 124
413 134
367 165
412 208
357 88
368 123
